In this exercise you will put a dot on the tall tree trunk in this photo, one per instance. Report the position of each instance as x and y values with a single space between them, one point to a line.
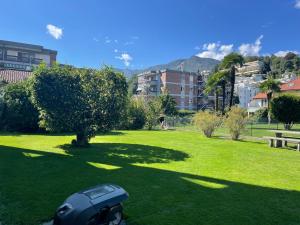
232 82
224 97
269 97
216 100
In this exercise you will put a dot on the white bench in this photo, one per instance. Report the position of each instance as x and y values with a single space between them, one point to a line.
273 141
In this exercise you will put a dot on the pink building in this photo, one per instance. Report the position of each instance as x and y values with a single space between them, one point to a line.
186 87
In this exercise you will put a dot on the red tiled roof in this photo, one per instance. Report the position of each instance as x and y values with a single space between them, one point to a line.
260 95
13 76
293 85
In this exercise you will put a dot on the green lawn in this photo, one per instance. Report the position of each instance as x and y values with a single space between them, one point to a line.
173 178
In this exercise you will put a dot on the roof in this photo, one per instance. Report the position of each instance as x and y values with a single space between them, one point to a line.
12 44
13 76
293 85
260 95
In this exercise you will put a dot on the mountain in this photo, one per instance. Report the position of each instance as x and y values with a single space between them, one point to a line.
192 64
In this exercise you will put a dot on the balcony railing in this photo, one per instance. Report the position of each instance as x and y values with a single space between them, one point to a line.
13 58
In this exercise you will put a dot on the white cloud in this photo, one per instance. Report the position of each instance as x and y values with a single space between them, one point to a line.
116 41
116 51
251 49
54 31
297 4
135 37
126 58
197 48
95 39
215 51
283 53
107 40
128 43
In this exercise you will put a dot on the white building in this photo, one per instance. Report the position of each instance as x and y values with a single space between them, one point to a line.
247 87
259 101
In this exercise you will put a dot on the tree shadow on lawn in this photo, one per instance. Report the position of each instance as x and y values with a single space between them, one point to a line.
34 183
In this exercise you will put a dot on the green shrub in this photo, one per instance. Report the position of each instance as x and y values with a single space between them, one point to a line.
153 110
236 121
19 114
136 116
261 115
286 109
207 122
168 104
184 113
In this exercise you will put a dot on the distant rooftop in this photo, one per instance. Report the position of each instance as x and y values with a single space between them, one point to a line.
293 85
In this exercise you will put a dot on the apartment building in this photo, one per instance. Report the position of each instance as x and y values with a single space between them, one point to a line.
17 60
24 57
186 87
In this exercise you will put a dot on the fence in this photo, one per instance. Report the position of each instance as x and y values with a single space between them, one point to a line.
255 129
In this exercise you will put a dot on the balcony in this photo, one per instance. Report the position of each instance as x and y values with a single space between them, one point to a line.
152 82
29 60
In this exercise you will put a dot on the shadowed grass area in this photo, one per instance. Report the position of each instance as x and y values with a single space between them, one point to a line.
172 178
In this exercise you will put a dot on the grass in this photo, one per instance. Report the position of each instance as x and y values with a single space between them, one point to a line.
173 177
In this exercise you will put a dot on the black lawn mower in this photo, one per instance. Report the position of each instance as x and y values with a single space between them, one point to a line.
99 205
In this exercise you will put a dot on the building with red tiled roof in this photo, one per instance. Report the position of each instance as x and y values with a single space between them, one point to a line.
293 85
13 76
260 95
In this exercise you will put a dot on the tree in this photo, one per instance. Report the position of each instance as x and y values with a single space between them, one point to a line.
230 62
168 104
2 85
207 122
286 109
215 82
18 113
153 110
236 121
135 117
269 86
82 101
132 85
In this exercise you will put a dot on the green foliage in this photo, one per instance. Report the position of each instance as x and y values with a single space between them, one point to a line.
207 122
186 113
216 83
269 86
132 85
153 110
236 121
18 112
289 63
82 101
135 116
261 115
286 109
230 62
2 105
168 104
233 59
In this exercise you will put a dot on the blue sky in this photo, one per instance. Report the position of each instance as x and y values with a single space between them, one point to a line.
139 33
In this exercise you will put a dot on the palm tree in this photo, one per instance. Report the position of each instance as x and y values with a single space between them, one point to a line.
215 82
269 86
229 63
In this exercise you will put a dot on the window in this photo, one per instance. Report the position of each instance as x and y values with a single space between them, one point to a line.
1 54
